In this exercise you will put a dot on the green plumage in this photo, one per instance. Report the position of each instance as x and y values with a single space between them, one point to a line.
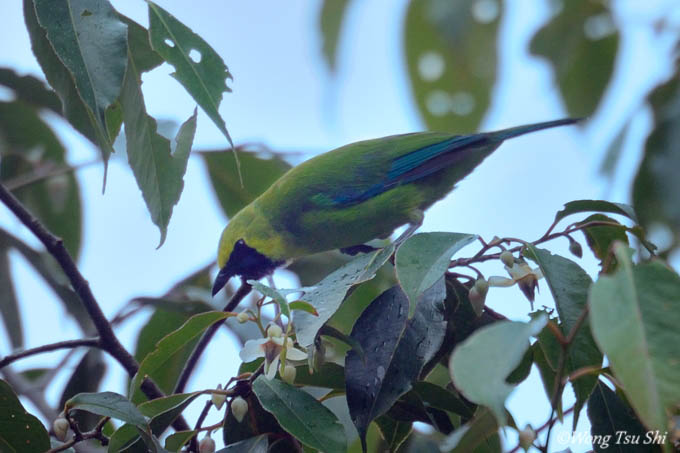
351 195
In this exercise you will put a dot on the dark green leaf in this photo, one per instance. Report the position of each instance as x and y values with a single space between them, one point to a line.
204 75
30 149
303 306
440 398
394 432
331 17
74 108
481 364
175 441
20 431
108 404
330 375
601 238
258 444
569 285
608 416
581 43
395 350
9 306
259 172
634 317
424 258
85 378
159 173
30 90
477 433
174 343
451 57
329 293
656 186
301 415
144 57
578 206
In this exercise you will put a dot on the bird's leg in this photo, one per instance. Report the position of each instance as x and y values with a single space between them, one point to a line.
415 223
355 249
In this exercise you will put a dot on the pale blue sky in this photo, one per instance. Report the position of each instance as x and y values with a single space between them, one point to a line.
284 97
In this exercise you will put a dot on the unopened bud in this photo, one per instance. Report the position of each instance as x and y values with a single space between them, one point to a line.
575 248
207 445
289 373
243 317
60 427
476 300
239 408
274 330
482 286
507 258
527 437
218 399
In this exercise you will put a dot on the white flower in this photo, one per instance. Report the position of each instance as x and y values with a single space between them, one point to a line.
522 274
270 348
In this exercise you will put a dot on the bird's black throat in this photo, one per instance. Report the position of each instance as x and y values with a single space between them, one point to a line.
245 262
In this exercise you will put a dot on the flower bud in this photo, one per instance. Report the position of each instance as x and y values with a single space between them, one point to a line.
289 373
575 248
274 330
207 445
60 427
476 300
507 258
243 317
239 408
482 286
527 437
218 399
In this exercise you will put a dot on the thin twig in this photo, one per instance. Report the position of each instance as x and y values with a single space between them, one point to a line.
242 292
68 344
96 433
551 421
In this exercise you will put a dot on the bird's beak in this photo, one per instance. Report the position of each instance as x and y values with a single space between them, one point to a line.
222 278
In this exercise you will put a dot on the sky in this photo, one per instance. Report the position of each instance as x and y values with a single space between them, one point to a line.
284 97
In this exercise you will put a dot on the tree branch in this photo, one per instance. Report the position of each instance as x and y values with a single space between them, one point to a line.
68 344
242 292
107 338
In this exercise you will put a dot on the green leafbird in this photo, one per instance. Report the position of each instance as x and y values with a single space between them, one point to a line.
346 197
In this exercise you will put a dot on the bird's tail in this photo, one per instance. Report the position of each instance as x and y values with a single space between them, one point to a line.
505 134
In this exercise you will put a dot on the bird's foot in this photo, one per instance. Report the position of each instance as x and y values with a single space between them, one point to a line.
355 249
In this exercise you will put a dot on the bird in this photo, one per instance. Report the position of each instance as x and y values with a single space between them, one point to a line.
351 195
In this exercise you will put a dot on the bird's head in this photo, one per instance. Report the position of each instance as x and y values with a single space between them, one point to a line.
238 253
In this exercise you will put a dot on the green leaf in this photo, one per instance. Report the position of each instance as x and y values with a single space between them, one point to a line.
259 444
327 295
394 432
29 148
161 323
85 378
601 238
173 343
656 186
581 43
440 398
139 46
108 404
74 109
396 348
205 79
259 173
608 416
634 317
480 365
175 441
159 173
9 306
424 258
331 17
578 206
20 431
303 306
30 90
301 415
451 58
330 375
474 434
273 294
569 285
